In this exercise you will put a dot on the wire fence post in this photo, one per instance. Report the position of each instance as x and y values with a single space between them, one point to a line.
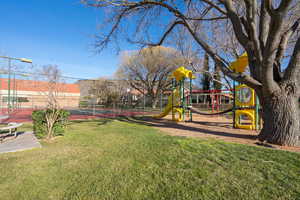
191 100
234 105
173 89
14 93
94 111
144 98
160 100
8 84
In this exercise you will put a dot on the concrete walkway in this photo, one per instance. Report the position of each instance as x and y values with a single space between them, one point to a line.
24 141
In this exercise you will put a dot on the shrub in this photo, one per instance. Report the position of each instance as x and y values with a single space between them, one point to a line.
40 122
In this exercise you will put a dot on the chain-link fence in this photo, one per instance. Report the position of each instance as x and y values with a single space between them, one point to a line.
21 93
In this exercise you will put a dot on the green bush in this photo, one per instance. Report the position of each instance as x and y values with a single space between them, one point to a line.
40 123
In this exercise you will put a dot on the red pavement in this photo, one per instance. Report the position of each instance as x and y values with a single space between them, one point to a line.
24 115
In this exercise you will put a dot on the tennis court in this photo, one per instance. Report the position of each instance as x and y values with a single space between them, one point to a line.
24 114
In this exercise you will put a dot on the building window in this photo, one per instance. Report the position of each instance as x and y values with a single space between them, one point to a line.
15 99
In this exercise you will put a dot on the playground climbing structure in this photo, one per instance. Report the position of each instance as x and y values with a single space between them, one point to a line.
245 104
180 100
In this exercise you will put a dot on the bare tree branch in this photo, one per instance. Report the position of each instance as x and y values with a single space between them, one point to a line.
237 24
284 41
263 24
215 6
292 71
167 32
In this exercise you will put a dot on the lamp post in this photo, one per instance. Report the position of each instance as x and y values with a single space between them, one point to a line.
25 60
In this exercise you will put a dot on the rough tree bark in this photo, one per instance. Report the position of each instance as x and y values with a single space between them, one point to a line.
281 115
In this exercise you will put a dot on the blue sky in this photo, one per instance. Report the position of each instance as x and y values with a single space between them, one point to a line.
55 32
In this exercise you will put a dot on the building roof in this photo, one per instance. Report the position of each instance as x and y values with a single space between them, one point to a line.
37 86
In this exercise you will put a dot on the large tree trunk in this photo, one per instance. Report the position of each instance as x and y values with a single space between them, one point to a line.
281 119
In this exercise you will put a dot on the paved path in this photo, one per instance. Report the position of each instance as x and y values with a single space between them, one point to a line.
24 141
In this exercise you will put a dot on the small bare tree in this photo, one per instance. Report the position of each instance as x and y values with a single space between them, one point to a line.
52 76
106 91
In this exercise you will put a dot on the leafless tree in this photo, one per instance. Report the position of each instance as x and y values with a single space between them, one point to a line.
107 91
148 70
268 30
52 76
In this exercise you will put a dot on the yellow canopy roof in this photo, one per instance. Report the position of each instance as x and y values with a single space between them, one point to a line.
182 72
240 64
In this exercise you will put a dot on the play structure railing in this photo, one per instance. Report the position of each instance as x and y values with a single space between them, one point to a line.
212 100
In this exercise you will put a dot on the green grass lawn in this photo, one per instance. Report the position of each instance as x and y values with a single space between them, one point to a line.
121 160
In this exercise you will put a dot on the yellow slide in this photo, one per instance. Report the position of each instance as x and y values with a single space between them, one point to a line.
168 108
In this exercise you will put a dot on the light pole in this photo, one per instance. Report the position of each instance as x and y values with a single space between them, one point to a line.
25 60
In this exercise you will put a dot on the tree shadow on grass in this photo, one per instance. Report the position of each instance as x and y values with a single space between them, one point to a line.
214 124
100 121
149 121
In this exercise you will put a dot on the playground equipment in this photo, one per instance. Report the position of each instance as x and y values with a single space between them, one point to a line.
180 100
173 100
244 106
215 100
240 64
245 103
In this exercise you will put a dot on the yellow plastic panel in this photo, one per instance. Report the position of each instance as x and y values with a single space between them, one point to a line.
251 116
238 101
240 64
180 116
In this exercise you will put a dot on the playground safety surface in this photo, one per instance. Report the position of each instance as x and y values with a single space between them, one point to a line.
217 127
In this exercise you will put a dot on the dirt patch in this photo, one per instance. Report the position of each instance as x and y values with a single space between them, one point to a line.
217 127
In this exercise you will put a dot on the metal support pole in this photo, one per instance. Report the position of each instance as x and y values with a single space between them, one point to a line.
160 100
183 99
191 100
14 92
173 88
8 86
17 99
256 113
144 98
9 76
234 105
